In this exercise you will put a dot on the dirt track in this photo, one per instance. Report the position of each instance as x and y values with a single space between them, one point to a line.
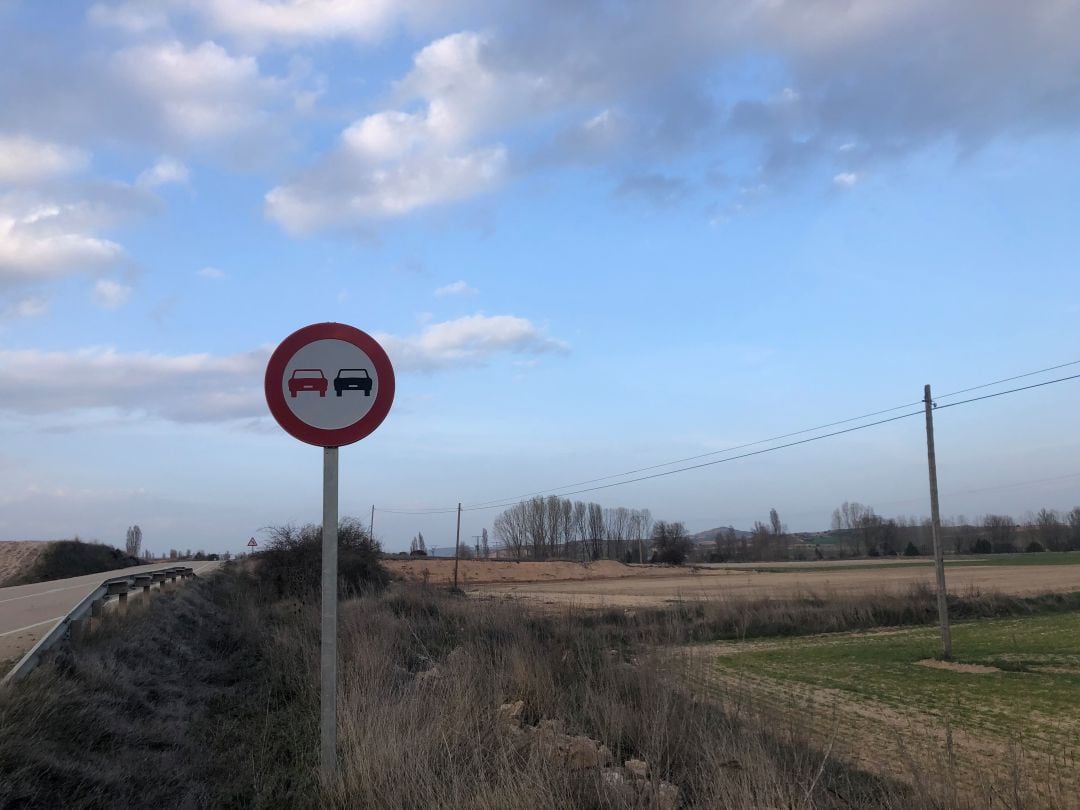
610 583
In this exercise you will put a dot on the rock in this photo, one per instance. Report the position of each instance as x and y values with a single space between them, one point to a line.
428 676
637 768
613 778
510 713
605 755
582 753
667 796
457 659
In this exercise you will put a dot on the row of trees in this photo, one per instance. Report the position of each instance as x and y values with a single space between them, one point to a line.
540 528
862 531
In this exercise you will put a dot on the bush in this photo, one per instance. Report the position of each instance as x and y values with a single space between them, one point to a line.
1034 546
291 564
982 546
911 551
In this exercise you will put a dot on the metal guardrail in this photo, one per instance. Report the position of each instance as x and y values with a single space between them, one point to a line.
119 587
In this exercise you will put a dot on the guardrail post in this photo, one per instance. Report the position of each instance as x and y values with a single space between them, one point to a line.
95 608
120 591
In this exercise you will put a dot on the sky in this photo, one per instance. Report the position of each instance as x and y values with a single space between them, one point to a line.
592 237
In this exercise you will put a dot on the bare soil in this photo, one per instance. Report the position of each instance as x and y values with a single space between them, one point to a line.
18 556
953 666
440 571
609 584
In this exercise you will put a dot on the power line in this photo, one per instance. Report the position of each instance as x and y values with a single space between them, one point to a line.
496 504
717 461
1010 391
1009 379
703 455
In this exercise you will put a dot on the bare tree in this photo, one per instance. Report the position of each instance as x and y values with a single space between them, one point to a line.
485 548
581 525
1074 528
774 520
671 543
1051 530
133 542
1001 532
510 530
595 531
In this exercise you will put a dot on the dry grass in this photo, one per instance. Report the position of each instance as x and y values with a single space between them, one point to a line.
208 697
658 586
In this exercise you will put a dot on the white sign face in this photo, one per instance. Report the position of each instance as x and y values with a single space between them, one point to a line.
330 384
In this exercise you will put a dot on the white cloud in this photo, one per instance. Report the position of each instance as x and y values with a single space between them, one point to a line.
296 20
110 294
211 273
340 194
32 307
455 288
218 388
133 18
26 160
41 239
394 162
201 92
846 180
468 341
165 171
192 387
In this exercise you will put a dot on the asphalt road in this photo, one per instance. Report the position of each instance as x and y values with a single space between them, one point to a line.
27 612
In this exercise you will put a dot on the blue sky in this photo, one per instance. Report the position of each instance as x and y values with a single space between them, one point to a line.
592 237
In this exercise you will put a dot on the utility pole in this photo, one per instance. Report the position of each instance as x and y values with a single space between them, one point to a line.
457 544
935 529
371 526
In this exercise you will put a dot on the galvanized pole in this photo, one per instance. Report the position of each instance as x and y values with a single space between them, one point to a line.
457 544
371 527
328 640
935 529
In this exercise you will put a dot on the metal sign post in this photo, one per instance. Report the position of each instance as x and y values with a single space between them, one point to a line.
328 629
330 385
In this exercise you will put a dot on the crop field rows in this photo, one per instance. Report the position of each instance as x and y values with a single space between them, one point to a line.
1004 716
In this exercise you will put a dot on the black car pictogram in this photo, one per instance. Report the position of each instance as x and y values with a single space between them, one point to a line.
353 379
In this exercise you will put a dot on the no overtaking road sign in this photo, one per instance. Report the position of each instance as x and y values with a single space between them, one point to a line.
329 384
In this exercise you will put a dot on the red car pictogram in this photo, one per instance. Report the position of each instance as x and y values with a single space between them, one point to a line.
308 379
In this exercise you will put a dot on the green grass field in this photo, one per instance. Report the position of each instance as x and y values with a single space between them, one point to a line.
1029 702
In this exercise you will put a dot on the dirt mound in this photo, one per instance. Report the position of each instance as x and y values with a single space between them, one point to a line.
17 557
440 571
61 559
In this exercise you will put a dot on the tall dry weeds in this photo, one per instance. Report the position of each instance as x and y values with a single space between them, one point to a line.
207 697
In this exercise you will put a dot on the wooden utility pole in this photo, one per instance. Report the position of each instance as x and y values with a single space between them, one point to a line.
935 529
457 544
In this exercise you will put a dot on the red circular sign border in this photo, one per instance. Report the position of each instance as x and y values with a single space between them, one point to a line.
323 437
